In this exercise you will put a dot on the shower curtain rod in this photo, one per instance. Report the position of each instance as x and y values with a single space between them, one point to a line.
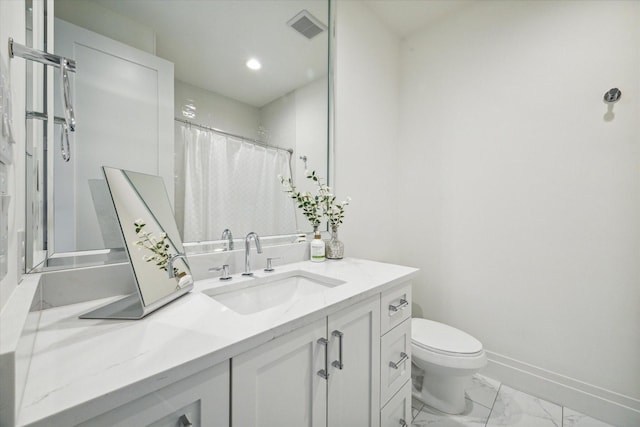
244 138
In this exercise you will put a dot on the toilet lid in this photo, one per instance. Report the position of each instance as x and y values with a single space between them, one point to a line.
443 338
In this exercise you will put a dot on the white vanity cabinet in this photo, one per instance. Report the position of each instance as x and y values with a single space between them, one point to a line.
276 383
397 412
304 379
200 400
395 356
354 378
318 360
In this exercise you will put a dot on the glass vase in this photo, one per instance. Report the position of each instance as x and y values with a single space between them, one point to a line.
335 248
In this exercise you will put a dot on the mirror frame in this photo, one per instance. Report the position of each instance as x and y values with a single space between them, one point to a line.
72 260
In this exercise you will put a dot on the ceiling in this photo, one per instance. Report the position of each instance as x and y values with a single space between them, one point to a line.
405 17
210 41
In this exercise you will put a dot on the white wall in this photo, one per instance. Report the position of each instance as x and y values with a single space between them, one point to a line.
298 120
311 129
278 119
520 200
12 24
367 73
103 21
215 110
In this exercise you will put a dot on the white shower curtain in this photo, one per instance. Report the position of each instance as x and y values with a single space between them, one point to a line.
231 183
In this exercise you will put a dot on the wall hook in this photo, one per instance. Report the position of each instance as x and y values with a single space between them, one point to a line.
612 95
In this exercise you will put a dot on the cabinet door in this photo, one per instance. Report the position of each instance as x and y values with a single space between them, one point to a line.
355 386
201 399
397 413
277 383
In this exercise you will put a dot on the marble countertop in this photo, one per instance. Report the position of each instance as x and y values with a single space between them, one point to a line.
80 368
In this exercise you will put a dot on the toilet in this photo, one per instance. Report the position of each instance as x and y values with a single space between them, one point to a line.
446 358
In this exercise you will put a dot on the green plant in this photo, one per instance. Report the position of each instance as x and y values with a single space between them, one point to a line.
315 207
157 246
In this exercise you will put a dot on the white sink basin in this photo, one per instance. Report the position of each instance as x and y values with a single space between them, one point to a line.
253 296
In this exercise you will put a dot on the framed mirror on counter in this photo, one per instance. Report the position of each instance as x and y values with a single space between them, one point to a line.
166 89
152 242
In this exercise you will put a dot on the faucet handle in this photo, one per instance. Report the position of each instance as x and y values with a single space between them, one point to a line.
269 268
225 272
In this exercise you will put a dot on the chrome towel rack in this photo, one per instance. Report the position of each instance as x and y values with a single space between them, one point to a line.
16 49
65 65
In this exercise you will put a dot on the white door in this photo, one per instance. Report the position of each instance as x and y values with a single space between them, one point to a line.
354 386
277 383
123 101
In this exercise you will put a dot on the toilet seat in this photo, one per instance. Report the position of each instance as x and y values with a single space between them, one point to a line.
443 339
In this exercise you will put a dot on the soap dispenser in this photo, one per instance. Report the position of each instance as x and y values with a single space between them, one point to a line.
317 248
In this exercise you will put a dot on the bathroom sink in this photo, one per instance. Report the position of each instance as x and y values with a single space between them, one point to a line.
256 295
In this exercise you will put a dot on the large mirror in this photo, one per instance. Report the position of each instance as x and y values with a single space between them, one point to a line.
164 87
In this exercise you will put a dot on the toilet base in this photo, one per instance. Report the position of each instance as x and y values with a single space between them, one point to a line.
444 393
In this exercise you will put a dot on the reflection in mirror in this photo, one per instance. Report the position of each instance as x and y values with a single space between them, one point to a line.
36 129
162 88
153 244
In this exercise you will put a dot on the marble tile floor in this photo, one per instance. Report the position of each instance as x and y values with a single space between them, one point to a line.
491 404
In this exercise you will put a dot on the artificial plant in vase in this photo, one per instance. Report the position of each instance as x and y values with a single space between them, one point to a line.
311 205
335 214
315 207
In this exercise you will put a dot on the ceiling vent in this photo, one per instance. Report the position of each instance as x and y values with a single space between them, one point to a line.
307 24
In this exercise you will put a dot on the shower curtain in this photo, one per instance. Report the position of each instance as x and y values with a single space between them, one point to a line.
232 183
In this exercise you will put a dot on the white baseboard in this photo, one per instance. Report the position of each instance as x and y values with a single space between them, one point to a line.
606 405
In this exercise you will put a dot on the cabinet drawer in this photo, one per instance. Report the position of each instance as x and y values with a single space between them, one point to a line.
395 308
395 360
397 413
201 399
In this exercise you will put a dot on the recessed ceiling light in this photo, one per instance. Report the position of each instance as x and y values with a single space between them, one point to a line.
254 64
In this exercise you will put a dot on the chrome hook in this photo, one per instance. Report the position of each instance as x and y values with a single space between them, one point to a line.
612 95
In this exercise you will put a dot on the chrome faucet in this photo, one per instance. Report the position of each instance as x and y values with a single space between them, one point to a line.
170 264
226 234
247 247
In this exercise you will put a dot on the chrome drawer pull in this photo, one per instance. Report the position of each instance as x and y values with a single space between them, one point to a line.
338 363
403 304
185 421
403 423
324 373
403 358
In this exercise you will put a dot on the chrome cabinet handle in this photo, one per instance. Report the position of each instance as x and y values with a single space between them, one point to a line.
324 373
403 358
185 421
403 423
338 363
403 304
